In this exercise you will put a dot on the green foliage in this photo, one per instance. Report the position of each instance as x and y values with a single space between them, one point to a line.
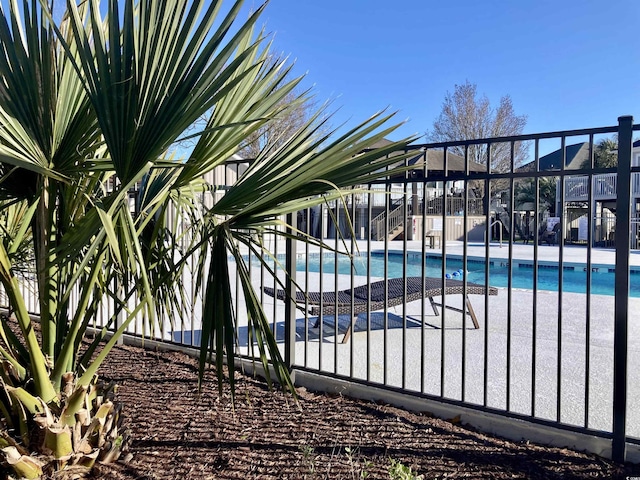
525 192
399 471
605 154
308 456
359 467
101 102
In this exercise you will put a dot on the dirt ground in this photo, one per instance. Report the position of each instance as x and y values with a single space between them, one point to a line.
177 433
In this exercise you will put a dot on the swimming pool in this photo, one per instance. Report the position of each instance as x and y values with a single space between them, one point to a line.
574 276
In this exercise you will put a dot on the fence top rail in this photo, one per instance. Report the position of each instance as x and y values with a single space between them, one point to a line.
489 140
520 138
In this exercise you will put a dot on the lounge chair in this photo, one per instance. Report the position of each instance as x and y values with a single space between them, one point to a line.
549 236
357 300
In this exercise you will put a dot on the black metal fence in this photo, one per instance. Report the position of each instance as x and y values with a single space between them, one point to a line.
492 307
451 206
552 346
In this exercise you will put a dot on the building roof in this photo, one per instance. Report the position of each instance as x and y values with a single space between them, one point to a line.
380 143
435 161
575 156
455 163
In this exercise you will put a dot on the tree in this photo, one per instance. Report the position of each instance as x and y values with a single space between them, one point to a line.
605 154
91 106
296 110
525 192
465 116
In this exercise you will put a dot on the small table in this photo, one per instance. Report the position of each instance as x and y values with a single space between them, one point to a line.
433 236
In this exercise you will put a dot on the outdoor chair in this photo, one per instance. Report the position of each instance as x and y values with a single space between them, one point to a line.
550 236
357 300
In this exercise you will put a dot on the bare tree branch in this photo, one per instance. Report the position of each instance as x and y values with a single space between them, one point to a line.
296 109
466 116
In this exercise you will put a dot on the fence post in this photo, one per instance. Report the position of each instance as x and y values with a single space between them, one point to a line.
622 239
290 305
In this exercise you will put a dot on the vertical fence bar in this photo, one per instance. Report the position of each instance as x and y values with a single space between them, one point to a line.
385 349
536 242
622 236
119 288
443 247
465 254
587 342
237 295
370 198
338 236
561 214
485 357
423 271
290 304
306 286
262 285
512 238
353 317
120 316
407 227
274 236
320 321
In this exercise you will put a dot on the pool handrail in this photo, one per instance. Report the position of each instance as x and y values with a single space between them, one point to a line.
501 227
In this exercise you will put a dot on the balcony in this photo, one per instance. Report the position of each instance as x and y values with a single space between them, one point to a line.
605 187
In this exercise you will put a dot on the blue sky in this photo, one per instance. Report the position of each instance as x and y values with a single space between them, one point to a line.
566 64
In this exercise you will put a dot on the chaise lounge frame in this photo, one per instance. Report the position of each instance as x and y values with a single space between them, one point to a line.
357 300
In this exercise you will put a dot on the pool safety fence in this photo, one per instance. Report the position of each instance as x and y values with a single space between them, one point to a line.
559 358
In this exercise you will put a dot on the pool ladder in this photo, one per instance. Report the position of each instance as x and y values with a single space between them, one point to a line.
501 227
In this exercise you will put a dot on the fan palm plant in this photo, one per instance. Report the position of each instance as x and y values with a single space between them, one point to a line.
93 107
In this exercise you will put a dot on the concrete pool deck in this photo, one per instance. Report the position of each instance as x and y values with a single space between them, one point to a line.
552 359
515 349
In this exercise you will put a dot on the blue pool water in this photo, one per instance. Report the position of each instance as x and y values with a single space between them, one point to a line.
574 277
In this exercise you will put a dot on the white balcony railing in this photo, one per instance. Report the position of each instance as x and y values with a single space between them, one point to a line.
605 187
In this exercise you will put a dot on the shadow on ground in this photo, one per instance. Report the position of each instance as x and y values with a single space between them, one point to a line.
313 330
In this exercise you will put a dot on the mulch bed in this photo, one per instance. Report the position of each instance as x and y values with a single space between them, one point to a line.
178 433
